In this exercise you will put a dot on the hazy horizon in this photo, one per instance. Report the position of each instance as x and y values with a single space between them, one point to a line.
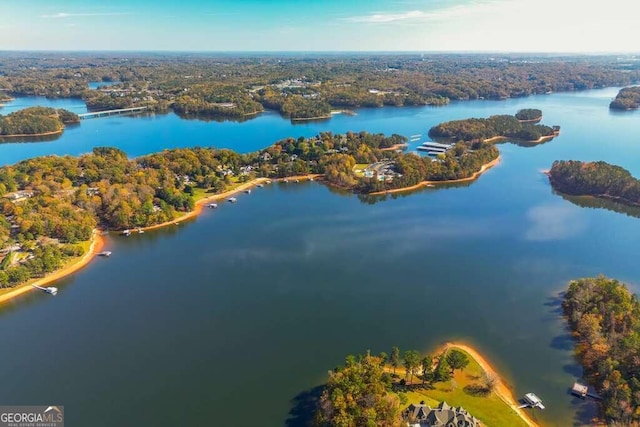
253 26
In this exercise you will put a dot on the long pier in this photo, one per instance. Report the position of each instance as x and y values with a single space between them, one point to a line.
110 112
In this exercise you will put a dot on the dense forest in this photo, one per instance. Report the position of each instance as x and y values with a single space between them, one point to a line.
628 98
36 120
301 86
605 318
495 126
598 179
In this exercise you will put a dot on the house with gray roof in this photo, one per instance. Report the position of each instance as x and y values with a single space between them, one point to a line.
443 415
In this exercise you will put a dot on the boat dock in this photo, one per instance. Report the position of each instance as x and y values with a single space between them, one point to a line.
582 391
530 400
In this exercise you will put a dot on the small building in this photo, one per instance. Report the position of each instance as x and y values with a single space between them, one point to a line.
579 390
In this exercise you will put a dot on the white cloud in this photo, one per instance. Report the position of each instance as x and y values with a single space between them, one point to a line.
61 15
554 222
422 15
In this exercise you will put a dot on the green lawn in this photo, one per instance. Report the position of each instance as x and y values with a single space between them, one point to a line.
85 245
492 411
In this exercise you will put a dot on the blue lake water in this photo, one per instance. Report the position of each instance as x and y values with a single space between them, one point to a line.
252 303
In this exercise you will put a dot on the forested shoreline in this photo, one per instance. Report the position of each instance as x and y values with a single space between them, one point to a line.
597 179
57 201
604 316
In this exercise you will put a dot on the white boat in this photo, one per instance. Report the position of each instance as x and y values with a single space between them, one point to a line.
212 205
297 180
50 290
268 182
126 233
285 180
140 231
232 200
260 185
105 253
247 191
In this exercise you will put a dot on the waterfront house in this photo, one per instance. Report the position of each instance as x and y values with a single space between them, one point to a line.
443 415
18 196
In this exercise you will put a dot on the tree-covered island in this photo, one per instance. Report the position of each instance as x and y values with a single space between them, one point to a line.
494 128
628 98
529 115
605 319
35 121
597 179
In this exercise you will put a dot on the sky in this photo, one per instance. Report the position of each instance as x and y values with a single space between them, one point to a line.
322 25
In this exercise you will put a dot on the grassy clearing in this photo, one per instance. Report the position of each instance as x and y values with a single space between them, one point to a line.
491 410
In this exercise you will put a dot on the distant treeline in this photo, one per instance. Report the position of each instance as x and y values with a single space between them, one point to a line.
36 120
598 179
628 98
302 87
495 126
605 318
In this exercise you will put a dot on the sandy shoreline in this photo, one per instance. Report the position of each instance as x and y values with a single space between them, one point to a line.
501 390
97 243
220 196
395 147
482 170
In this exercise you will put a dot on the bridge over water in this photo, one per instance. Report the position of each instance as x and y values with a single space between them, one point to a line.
110 112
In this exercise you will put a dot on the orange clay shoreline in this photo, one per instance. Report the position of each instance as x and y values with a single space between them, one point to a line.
97 240
220 196
97 243
482 170
502 389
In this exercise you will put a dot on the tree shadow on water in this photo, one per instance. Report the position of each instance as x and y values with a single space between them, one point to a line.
304 406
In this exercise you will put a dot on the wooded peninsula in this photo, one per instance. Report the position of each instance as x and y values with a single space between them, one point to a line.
605 319
597 179
454 385
50 204
628 98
